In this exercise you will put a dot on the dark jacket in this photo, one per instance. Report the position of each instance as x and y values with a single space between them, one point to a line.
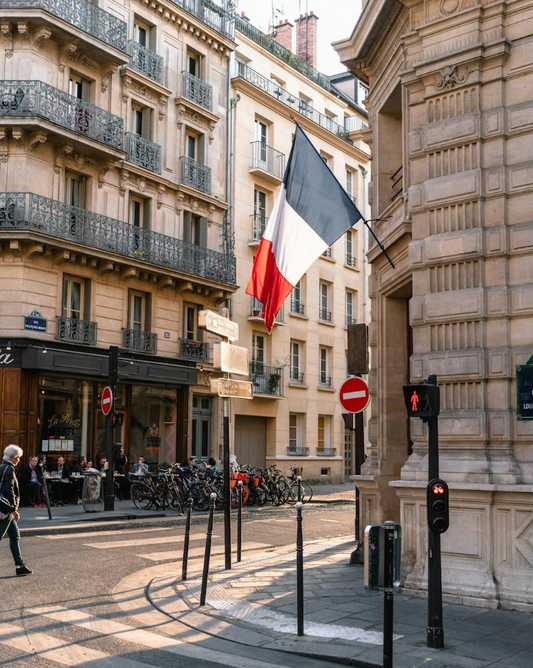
26 476
8 476
66 470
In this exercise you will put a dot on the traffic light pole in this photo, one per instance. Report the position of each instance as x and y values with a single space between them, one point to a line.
109 496
435 631
227 486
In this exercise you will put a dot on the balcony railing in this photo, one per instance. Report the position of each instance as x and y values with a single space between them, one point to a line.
36 98
195 175
282 53
324 314
268 159
146 62
74 329
33 213
198 91
266 379
195 351
257 309
297 452
143 152
259 223
354 123
349 320
81 14
397 183
327 252
216 17
296 376
349 259
271 88
323 380
326 452
297 307
144 342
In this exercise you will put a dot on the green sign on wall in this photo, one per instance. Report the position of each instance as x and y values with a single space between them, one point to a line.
524 391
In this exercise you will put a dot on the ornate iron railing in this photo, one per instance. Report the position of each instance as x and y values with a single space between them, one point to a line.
297 307
146 62
143 152
350 260
198 91
354 123
219 18
81 14
144 342
296 376
324 314
30 212
36 98
326 452
267 158
297 452
74 329
324 380
266 379
196 351
282 53
257 309
397 183
259 223
275 90
349 320
195 175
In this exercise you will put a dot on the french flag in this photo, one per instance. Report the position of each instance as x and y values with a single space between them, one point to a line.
311 212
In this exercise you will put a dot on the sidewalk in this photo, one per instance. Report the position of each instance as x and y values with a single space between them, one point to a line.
255 605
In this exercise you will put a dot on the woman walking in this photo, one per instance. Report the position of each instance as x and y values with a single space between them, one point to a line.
8 520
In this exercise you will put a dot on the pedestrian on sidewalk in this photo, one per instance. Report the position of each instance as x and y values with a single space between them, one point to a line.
11 494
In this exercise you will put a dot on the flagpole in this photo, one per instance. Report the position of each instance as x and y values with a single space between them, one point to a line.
371 220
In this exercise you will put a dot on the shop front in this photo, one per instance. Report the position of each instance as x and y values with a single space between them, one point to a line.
49 405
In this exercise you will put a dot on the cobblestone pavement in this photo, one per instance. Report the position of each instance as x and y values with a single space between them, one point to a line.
255 604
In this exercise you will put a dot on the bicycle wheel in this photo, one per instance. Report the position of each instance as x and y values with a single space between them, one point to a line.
141 495
235 496
173 500
199 495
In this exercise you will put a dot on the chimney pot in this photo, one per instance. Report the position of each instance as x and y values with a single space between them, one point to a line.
283 34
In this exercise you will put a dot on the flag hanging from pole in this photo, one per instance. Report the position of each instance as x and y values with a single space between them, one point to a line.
311 212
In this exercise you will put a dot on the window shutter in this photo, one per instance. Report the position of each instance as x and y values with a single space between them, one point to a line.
146 214
147 123
203 232
187 220
86 307
148 314
201 150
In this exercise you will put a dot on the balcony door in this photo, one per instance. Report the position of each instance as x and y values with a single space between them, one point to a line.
75 188
137 311
260 213
261 136
258 353
73 297
201 427
80 116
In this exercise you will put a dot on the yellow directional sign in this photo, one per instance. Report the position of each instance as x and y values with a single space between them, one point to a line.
217 324
225 387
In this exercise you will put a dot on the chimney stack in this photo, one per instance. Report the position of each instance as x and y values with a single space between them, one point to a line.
244 17
306 38
283 34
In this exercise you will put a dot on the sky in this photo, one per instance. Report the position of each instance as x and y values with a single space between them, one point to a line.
332 26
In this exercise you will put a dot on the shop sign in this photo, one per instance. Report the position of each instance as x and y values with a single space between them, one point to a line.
8 359
154 440
524 391
35 322
65 420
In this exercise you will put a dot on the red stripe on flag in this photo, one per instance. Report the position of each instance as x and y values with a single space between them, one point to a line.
267 284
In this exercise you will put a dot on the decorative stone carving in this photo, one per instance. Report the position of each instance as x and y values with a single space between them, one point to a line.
61 154
3 145
83 61
107 73
130 88
160 192
450 6
180 198
5 29
39 36
18 136
451 77
24 31
162 107
35 139
107 166
124 178
64 52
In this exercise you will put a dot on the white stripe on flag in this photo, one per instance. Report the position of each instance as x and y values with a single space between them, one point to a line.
354 395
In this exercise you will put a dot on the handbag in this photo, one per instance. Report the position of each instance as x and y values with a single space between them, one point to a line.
5 507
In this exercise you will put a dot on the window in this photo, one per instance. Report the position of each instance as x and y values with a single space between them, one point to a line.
324 313
295 431
324 432
305 105
331 120
295 359
261 132
195 146
139 212
261 145
75 189
349 182
139 311
260 217
195 229
349 257
296 299
194 63
323 377
349 307
75 305
79 87
191 331
141 121
258 353
142 33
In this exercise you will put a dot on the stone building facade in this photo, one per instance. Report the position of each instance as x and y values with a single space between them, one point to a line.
451 130
113 226
295 417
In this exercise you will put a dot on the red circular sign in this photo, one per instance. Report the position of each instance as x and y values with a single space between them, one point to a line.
354 395
107 400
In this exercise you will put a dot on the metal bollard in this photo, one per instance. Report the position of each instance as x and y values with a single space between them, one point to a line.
186 542
207 555
46 495
300 570
239 521
299 479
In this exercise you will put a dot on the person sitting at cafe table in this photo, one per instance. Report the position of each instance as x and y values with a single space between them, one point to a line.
41 463
140 467
78 467
33 482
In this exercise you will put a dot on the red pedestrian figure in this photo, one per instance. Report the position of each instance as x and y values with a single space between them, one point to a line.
414 401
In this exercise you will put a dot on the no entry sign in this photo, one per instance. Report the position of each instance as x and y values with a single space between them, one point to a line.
107 400
354 395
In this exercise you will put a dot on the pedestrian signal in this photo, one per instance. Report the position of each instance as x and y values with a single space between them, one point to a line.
117 419
438 506
421 400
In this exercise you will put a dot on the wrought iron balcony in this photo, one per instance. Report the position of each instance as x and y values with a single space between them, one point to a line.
143 152
323 380
36 98
324 314
296 376
268 159
327 252
354 124
195 175
349 319
266 379
326 452
198 91
146 62
397 183
298 452
297 307
144 342
81 14
195 351
74 329
349 259
274 90
259 223
216 17
257 310
33 213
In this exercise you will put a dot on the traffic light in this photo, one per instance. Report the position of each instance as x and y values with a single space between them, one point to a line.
422 401
438 506
117 419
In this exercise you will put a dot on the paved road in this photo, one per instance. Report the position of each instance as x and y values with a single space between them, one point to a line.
66 615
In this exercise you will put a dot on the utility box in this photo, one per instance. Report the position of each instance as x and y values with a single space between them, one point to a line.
383 556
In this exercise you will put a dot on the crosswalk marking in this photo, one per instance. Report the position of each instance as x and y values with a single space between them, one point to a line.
120 631
140 542
277 520
199 551
97 534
